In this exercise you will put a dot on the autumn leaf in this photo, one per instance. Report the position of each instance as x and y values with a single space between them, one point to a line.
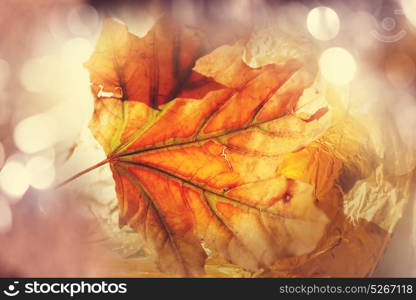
196 145
152 70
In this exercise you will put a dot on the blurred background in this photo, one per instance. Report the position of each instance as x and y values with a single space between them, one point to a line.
45 106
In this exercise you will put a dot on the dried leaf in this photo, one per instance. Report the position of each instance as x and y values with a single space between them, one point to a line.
196 159
152 70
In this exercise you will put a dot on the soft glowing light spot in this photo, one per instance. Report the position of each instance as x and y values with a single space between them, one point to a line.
400 70
360 24
337 65
82 20
29 76
36 133
76 51
323 23
5 216
56 22
72 83
14 179
409 9
39 73
41 172
44 43
4 73
72 116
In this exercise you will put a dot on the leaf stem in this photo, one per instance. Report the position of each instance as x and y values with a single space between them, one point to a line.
72 178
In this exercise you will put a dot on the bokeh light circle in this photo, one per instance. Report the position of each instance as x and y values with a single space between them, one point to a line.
323 23
14 179
337 65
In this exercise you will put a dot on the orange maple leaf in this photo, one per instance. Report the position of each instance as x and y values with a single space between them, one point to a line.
194 141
